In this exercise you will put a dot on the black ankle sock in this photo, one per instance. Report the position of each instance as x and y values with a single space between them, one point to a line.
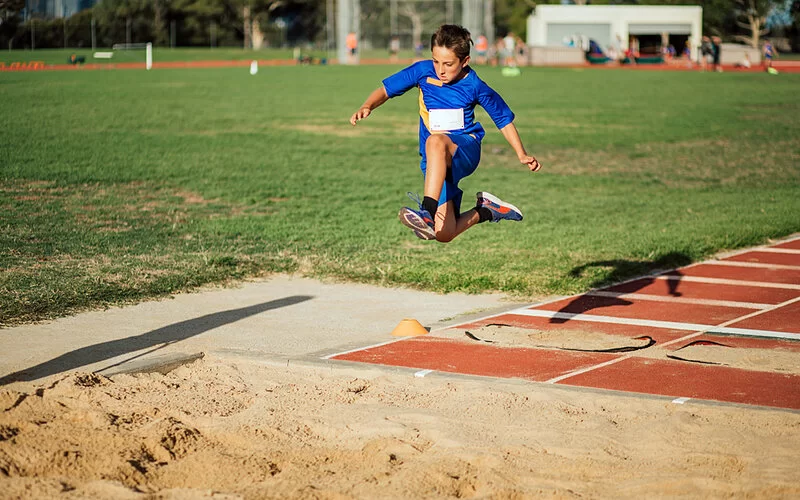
484 213
430 205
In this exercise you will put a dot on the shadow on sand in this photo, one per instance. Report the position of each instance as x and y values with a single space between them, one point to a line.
156 339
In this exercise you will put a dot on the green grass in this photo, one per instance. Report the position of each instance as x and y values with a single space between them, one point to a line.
162 54
118 186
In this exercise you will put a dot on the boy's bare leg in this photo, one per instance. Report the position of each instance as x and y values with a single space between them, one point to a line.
448 226
439 150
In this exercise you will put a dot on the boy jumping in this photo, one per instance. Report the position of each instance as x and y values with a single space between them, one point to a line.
449 136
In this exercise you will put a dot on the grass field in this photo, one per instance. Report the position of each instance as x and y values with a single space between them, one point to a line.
162 54
123 185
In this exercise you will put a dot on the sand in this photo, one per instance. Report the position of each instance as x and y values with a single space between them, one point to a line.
225 428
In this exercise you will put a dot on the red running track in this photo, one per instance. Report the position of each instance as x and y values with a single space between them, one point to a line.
746 301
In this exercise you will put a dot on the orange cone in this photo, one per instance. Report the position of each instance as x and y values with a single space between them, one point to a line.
409 328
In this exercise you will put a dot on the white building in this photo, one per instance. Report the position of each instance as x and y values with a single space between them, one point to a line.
609 25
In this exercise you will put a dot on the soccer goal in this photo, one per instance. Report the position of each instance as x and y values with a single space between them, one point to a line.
148 51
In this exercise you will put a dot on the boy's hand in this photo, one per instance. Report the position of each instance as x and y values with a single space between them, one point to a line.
360 115
531 162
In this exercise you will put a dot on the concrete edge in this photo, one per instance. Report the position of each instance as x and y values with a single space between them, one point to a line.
162 364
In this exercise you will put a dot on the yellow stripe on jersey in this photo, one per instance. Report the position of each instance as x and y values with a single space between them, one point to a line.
425 115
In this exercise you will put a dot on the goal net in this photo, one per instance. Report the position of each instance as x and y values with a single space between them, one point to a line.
127 48
410 23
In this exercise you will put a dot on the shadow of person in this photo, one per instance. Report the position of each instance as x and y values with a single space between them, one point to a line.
158 338
622 270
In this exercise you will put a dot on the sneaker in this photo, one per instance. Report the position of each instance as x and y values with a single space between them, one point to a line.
499 208
418 220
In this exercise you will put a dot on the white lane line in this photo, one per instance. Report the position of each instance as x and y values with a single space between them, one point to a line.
672 325
726 281
760 265
707 329
778 250
329 356
680 300
611 319
746 332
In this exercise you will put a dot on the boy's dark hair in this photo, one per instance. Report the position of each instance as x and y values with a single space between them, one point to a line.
453 37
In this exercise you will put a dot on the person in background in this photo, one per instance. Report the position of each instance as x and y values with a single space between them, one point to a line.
352 46
716 46
687 53
509 50
706 53
394 48
481 49
745 62
769 53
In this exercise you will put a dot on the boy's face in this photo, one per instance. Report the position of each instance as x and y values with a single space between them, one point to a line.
447 65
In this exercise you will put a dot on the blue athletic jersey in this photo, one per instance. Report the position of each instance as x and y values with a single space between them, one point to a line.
464 94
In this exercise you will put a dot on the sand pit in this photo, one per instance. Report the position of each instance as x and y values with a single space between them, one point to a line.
768 360
574 340
588 340
215 429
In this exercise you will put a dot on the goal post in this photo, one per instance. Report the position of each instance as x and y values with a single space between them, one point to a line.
148 51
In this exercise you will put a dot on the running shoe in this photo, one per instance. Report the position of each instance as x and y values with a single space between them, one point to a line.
499 208
420 220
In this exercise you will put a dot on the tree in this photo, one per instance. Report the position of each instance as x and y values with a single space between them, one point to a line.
409 10
10 11
512 15
794 29
752 16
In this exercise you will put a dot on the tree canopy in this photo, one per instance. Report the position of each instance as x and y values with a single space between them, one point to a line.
247 22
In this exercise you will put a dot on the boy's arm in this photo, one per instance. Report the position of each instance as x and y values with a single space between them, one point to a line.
375 99
512 136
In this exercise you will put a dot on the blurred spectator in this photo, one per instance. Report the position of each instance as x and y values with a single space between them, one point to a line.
612 53
481 49
769 54
352 46
520 51
744 63
633 51
687 53
706 53
394 48
716 45
509 50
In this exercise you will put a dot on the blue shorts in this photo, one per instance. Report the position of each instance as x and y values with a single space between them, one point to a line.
464 163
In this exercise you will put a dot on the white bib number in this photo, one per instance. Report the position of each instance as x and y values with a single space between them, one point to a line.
446 119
